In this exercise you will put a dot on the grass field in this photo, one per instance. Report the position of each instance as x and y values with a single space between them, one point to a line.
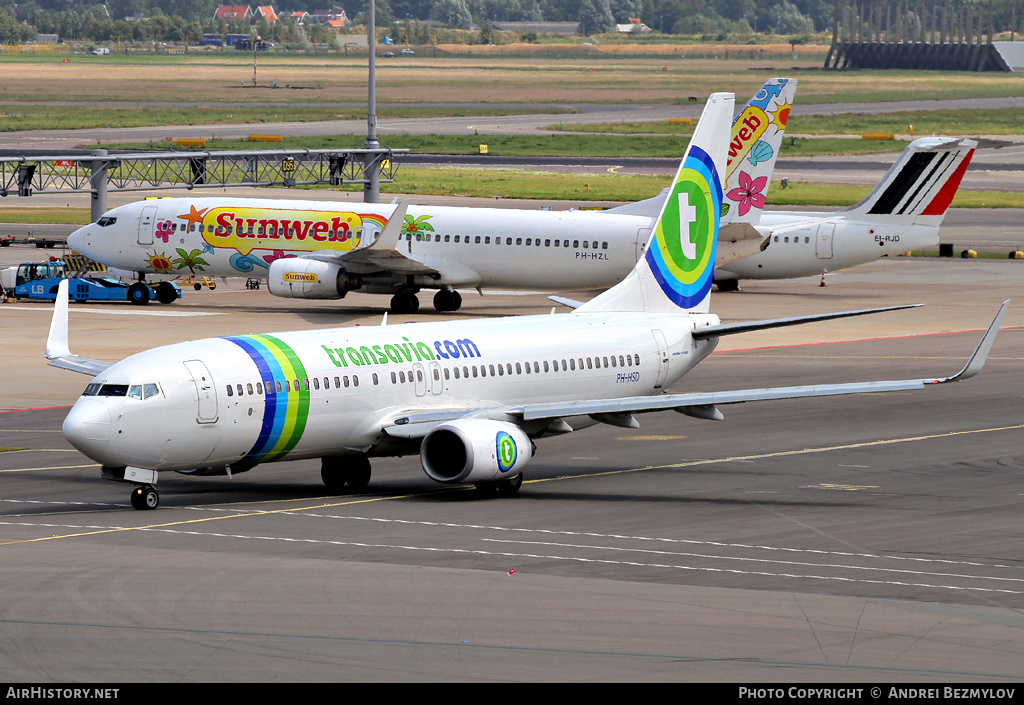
990 121
604 77
214 87
556 145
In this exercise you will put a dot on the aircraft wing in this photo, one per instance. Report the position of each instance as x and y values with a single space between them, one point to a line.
704 405
57 351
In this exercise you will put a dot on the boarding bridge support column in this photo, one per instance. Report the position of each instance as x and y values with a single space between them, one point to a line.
98 179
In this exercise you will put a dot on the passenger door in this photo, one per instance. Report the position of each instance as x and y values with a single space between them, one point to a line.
146 225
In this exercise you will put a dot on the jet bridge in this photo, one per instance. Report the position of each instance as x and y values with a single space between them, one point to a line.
97 172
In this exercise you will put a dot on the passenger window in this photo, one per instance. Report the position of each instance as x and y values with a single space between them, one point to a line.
240 392
231 392
394 378
337 382
316 383
259 388
248 387
636 358
355 380
278 385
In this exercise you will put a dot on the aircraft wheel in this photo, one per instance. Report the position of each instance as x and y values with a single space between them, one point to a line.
165 293
138 294
509 487
447 300
405 302
486 490
145 497
339 473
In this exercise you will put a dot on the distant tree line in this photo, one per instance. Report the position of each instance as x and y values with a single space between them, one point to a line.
420 20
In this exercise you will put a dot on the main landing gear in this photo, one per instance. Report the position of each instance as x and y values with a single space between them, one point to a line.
502 488
145 497
447 299
405 302
343 474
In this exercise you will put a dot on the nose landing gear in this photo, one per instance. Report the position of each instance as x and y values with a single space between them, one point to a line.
145 497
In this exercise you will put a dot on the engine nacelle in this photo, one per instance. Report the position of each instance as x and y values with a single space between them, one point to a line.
304 278
475 450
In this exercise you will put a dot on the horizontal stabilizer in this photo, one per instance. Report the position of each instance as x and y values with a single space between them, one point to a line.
734 328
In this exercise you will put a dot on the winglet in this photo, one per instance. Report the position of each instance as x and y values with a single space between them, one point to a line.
388 238
57 340
977 360
57 350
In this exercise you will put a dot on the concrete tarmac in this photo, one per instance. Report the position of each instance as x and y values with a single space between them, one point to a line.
870 539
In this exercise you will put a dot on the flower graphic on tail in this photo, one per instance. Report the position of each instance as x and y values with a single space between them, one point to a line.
748 193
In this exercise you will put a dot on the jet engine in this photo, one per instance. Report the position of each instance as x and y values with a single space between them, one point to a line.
303 278
475 450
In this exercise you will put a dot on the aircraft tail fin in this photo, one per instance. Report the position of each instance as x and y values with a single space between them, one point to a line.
753 148
675 273
921 184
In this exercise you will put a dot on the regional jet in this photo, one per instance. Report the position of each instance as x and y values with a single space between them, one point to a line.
472 398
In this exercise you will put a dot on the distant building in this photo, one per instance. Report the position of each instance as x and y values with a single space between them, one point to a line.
267 13
634 25
301 17
325 17
233 12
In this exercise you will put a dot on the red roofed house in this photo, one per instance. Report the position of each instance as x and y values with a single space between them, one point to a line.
233 12
267 13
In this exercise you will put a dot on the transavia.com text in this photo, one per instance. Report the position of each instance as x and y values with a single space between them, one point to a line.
945 693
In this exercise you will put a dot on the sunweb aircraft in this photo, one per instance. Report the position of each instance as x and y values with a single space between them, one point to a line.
322 250
470 397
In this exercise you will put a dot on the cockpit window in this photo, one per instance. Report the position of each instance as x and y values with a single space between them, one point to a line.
105 221
91 389
143 391
113 390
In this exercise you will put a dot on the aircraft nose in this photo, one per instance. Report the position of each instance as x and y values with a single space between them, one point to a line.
78 240
87 428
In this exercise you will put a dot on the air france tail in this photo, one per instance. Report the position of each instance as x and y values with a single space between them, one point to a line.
919 187
675 273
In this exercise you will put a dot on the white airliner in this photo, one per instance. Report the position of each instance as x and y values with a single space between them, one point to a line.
322 250
471 397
